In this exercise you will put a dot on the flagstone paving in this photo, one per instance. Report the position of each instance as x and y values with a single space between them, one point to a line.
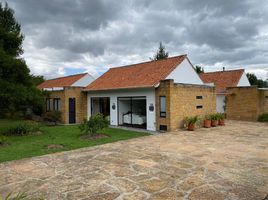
228 162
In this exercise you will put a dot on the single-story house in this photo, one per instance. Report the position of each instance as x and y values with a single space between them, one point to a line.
66 95
154 95
222 80
246 103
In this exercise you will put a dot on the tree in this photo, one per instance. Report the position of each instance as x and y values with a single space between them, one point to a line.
36 80
253 80
11 37
17 91
199 69
161 53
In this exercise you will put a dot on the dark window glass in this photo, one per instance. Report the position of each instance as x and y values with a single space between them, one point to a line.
163 108
57 104
163 128
199 97
49 104
199 106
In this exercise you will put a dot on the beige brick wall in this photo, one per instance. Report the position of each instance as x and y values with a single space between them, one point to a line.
246 103
80 100
182 102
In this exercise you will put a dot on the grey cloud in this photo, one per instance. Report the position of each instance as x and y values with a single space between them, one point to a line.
99 33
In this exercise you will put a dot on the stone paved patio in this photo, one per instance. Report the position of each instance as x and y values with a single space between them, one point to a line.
228 162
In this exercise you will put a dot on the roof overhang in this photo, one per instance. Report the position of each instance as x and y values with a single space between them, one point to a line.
114 89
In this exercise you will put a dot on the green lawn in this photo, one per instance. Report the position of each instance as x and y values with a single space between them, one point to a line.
69 136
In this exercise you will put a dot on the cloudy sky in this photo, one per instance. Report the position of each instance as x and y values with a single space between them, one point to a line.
63 37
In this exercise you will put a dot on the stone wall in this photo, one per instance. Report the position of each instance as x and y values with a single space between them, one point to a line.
246 103
182 101
80 100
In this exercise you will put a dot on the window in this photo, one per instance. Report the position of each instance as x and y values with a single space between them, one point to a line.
163 128
199 97
57 104
199 107
163 106
49 104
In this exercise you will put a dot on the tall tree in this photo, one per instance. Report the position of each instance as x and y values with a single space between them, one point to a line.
17 91
36 80
11 37
253 80
199 69
161 53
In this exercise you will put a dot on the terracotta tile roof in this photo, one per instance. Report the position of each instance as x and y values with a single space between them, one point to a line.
61 81
222 79
141 75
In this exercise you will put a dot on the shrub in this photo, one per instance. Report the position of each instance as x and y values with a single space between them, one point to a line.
22 128
52 117
220 116
191 120
207 117
263 117
95 124
214 116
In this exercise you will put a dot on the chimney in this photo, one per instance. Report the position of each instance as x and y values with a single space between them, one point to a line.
223 69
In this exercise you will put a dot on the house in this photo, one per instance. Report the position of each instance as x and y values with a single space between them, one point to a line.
222 80
154 95
66 95
246 103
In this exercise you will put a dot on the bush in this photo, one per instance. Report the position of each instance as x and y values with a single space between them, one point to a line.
191 120
263 117
52 117
22 128
214 116
95 124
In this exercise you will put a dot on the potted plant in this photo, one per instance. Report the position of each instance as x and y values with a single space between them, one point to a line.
207 121
190 122
214 120
221 119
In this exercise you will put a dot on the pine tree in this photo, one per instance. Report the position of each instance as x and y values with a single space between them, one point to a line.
161 53
17 91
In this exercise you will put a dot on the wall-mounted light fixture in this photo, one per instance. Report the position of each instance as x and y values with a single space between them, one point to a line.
151 107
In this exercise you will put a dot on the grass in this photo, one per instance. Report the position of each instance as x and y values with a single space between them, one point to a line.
69 136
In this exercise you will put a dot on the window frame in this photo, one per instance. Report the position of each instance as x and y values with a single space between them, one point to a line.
56 104
199 107
162 113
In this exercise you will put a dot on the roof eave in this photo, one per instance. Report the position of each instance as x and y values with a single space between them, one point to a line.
122 88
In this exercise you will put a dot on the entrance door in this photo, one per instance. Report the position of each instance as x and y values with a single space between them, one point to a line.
71 110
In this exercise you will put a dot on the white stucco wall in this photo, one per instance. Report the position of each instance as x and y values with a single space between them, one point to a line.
243 80
84 81
220 101
113 94
185 73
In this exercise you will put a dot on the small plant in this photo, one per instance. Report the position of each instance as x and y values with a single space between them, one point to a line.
19 196
220 117
263 117
52 117
95 124
214 119
190 122
207 121
22 128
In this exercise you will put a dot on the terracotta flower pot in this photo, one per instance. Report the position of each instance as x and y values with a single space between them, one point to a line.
214 123
207 123
191 127
221 122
